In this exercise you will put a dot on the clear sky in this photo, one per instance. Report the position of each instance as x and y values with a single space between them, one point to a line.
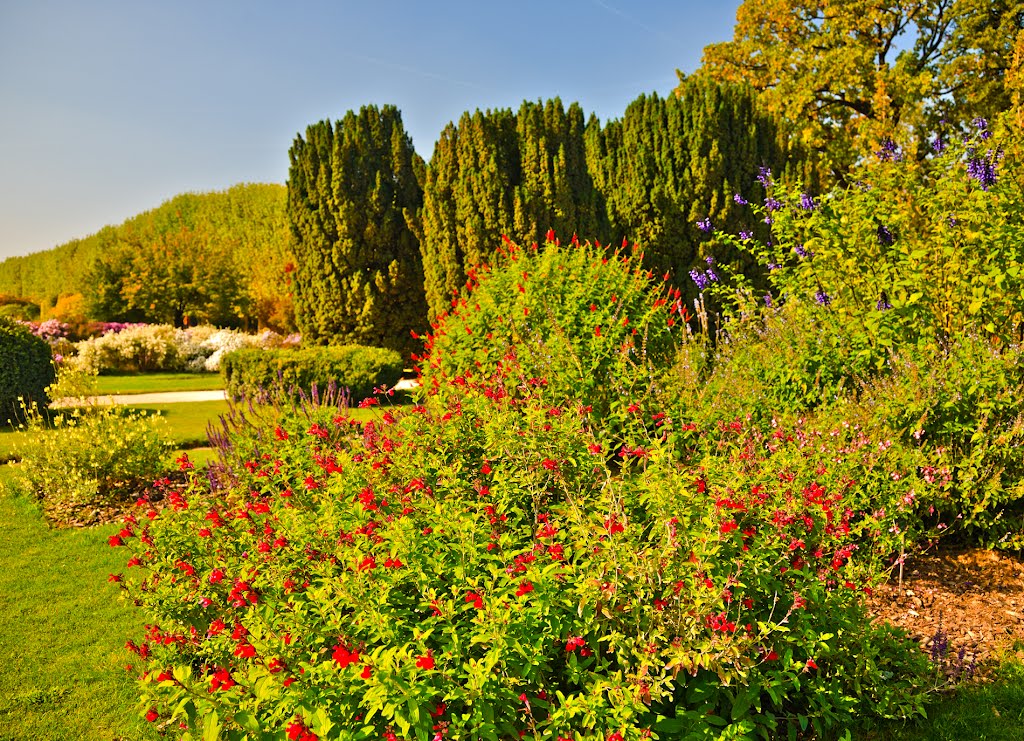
110 107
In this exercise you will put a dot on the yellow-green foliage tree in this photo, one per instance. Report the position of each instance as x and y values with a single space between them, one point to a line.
846 73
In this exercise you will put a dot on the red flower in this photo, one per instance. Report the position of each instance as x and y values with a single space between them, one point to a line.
280 434
344 657
549 464
152 715
367 672
810 664
221 680
612 525
425 661
115 541
772 656
183 462
476 599
245 651
525 587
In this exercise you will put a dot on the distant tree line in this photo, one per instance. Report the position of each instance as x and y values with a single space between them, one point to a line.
221 257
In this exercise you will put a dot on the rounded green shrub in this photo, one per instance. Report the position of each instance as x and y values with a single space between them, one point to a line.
26 369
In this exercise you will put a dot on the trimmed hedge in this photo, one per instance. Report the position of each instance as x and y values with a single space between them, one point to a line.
26 369
252 372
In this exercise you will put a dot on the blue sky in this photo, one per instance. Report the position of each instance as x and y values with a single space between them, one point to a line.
109 108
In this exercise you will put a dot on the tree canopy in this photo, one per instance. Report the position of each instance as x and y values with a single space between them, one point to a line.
222 257
847 73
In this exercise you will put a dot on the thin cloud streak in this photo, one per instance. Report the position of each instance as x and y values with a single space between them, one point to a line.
413 70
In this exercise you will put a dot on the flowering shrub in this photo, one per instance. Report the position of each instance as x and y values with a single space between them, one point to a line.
51 330
904 288
961 412
87 456
482 565
583 322
908 255
152 347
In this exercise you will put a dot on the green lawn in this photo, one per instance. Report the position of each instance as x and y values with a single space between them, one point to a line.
185 422
147 383
63 632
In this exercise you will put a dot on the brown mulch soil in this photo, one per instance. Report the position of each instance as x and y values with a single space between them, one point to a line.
965 604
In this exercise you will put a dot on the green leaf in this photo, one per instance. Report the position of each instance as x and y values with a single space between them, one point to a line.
247 721
212 727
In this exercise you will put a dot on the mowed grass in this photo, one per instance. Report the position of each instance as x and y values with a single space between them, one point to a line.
150 383
184 423
62 631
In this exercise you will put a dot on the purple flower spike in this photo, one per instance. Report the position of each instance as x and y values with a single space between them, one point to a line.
807 202
822 298
885 237
890 151
740 200
983 169
705 225
764 176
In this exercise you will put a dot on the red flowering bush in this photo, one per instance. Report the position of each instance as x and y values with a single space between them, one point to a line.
474 567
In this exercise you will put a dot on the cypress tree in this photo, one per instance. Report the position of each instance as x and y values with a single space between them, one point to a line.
353 189
498 173
467 200
669 163
555 189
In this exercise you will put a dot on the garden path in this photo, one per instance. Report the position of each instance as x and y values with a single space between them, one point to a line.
164 397
173 397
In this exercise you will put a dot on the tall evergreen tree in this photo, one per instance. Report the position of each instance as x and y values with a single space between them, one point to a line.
498 173
669 163
353 189
468 199
555 189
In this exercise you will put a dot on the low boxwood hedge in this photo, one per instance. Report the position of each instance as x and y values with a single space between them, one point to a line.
252 372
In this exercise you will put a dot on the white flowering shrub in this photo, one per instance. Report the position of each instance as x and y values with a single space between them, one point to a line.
224 341
161 347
